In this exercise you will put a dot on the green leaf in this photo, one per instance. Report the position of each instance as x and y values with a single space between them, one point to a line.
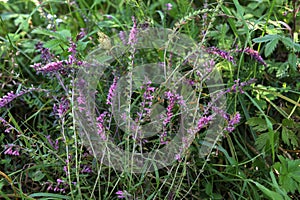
289 123
288 42
267 141
239 8
289 137
52 195
258 124
52 43
266 38
282 71
37 176
270 47
271 194
62 35
288 173
292 59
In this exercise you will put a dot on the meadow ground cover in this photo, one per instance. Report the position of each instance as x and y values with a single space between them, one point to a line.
149 99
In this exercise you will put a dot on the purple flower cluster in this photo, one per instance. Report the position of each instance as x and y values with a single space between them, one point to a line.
59 186
207 68
86 169
147 99
9 97
46 55
173 99
7 126
168 6
12 149
133 33
81 34
6 99
204 121
254 54
122 36
232 122
50 67
62 107
221 53
73 51
122 194
111 92
61 65
238 86
101 126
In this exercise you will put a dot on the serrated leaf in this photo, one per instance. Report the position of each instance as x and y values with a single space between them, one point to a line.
240 9
266 38
270 47
82 45
289 137
288 42
282 71
257 123
267 141
288 173
297 47
62 35
261 103
292 59
262 141
52 43
289 123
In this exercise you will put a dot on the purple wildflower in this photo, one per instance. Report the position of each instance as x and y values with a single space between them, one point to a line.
133 33
220 112
203 121
50 67
81 34
100 125
219 52
12 149
121 194
122 35
9 97
62 107
239 85
86 169
178 157
168 6
208 67
254 54
171 97
147 99
50 186
111 92
109 17
233 121
7 125
59 181
46 56
73 51
163 138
